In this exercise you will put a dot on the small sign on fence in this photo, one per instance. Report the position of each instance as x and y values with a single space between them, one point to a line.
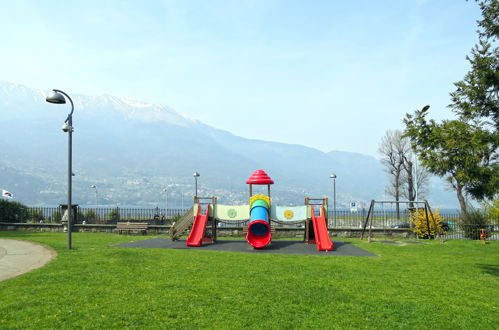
353 207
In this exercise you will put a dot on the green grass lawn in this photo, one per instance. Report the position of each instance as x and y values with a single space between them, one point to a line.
454 285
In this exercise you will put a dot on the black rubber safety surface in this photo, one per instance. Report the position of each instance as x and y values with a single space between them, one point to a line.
276 247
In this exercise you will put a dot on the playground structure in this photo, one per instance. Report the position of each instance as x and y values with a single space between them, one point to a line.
206 214
259 231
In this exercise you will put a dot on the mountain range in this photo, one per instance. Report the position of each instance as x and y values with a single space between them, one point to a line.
132 151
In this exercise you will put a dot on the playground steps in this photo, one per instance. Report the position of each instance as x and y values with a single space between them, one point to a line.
183 225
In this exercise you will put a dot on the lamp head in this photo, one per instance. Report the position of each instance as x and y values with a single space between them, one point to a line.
195 174
55 97
66 127
333 176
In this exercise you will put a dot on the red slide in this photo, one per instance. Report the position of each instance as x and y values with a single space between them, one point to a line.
197 232
320 230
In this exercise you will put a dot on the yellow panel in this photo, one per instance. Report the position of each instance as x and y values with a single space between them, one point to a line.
262 197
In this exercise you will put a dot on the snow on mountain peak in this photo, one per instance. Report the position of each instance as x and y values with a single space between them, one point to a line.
11 93
133 109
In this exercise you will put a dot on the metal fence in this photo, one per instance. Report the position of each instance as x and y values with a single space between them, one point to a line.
381 219
452 225
112 215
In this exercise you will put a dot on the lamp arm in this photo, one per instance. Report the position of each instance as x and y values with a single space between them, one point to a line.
69 119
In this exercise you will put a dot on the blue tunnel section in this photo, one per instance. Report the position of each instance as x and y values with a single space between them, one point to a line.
259 234
259 213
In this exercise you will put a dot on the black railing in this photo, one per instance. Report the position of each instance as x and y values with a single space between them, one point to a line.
156 216
381 219
111 215
44 215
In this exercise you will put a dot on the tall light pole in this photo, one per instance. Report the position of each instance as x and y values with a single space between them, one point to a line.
196 175
333 176
58 97
96 195
182 198
165 190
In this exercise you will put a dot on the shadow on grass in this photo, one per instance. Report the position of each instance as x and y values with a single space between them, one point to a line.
489 269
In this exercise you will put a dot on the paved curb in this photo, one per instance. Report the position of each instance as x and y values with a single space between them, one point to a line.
19 257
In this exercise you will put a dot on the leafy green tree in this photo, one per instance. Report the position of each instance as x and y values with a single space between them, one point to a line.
13 211
464 150
455 150
489 23
476 98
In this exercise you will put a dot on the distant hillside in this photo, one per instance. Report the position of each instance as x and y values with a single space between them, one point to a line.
131 150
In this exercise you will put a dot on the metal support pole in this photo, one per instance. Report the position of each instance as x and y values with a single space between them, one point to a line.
334 202
56 97
195 175
70 178
166 203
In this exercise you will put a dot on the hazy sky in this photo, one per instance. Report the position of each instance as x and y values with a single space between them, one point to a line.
333 75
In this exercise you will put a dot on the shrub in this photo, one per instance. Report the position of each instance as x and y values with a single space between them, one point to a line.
91 216
493 209
114 215
473 222
35 215
80 217
420 223
174 219
56 217
13 211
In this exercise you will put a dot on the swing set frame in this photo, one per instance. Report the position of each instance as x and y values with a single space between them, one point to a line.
369 217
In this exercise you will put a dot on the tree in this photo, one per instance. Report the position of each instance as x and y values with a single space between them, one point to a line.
489 24
452 149
476 96
397 157
392 150
13 211
464 150
415 180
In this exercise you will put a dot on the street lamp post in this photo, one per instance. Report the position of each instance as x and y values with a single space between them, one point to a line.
59 97
165 190
333 176
182 198
196 175
96 195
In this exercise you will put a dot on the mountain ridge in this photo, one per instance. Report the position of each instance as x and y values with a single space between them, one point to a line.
119 141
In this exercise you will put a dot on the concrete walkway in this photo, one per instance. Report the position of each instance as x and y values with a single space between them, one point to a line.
19 257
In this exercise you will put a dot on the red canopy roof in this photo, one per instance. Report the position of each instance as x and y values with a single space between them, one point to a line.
259 177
